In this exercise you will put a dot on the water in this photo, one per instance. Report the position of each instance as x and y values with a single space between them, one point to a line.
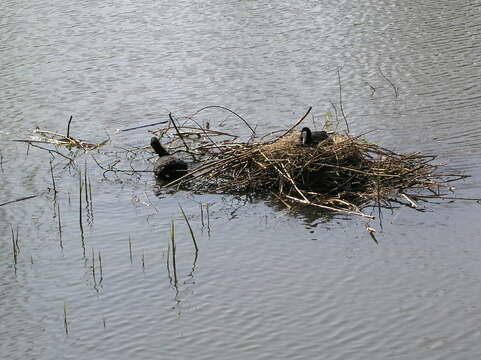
266 284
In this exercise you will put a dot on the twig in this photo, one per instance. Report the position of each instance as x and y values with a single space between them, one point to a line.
396 91
202 168
226 109
51 151
335 112
68 126
178 132
19 199
297 123
441 196
144 126
288 176
340 99
329 207
411 202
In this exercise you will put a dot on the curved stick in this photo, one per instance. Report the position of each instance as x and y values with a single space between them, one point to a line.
226 109
297 123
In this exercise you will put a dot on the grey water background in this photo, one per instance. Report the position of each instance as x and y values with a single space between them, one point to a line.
267 284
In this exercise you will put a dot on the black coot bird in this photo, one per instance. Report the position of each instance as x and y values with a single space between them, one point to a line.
309 137
167 167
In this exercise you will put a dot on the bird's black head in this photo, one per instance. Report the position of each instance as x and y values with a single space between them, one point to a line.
306 136
158 148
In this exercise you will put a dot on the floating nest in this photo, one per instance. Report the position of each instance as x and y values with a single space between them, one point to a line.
343 173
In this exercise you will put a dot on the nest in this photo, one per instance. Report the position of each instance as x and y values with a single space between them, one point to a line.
342 173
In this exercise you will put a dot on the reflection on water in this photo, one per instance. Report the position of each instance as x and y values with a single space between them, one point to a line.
259 287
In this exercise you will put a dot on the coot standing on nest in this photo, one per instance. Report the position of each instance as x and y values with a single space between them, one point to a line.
167 167
309 137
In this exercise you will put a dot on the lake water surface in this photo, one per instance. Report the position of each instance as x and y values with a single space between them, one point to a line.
267 284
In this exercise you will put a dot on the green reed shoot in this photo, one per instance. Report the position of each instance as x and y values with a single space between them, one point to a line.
90 198
53 182
85 184
16 241
168 262
65 322
190 228
80 202
59 226
100 268
130 249
14 247
80 214
172 240
208 216
93 268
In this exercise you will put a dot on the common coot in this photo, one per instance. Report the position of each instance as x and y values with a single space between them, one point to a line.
167 167
309 137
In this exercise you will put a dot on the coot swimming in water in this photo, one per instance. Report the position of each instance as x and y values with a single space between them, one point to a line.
309 137
167 167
